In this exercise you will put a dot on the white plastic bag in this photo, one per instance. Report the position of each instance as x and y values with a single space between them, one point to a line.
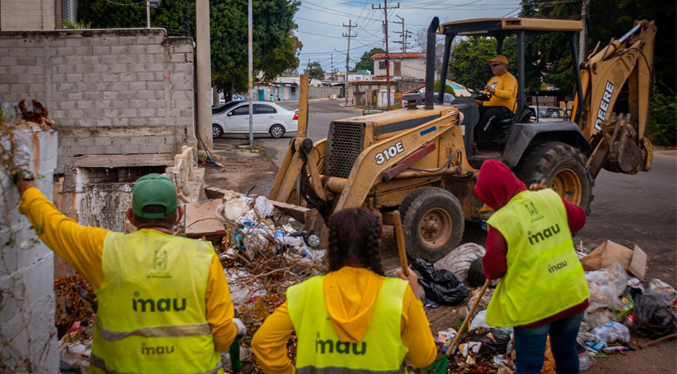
458 261
585 361
610 333
480 320
606 285
232 210
663 291
264 207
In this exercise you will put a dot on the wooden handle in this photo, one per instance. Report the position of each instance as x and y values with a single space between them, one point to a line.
400 242
467 319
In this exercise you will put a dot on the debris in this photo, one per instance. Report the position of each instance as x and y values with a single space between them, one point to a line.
652 317
606 285
609 333
201 219
459 260
663 290
585 360
671 336
609 253
440 286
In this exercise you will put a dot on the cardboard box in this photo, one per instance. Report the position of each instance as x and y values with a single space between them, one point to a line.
609 253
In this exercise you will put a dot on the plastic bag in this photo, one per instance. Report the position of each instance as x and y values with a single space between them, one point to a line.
652 317
459 260
480 320
441 286
596 318
610 333
606 285
585 361
264 207
663 290
232 210
494 341
476 276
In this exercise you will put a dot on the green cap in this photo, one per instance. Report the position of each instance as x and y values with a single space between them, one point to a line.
154 189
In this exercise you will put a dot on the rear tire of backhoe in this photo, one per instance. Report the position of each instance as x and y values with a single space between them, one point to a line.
432 223
564 169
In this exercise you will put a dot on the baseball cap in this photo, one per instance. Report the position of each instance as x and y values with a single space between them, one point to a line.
498 58
154 189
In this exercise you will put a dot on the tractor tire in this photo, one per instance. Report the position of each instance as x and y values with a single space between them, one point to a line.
563 168
432 223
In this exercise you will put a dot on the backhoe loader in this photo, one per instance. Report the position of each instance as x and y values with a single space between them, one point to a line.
421 161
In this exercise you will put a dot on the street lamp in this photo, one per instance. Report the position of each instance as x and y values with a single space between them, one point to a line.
151 4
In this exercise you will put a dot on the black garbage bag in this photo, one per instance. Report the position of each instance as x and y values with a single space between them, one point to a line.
476 276
652 318
494 341
440 286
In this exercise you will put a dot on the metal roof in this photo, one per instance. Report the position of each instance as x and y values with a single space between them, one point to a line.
508 26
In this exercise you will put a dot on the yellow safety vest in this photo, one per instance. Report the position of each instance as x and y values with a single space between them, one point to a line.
544 275
152 307
319 349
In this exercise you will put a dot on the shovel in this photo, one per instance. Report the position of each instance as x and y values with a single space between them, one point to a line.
234 353
465 322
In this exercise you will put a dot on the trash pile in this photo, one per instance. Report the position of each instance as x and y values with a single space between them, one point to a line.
620 309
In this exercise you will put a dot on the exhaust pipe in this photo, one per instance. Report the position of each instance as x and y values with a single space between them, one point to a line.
430 63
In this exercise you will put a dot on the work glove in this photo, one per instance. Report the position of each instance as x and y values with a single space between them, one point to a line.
241 328
21 152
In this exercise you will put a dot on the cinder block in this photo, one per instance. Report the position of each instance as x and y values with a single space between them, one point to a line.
129 149
101 69
36 70
128 95
35 52
119 50
128 77
74 96
146 77
137 49
83 50
8 61
138 121
101 50
110 95
8 43
85 104
65 51
178 57
18 52
128 112
84 142
160 112
146 95
129 59
146 58
152 49
137 67
107 122
37 88
102 141
122 140
112 113
147 112
155 67
160 58
75 113
118 68
92 95
26 78
74 77
65 104
120 86
120 104
110 59
112 149
157 103
109 77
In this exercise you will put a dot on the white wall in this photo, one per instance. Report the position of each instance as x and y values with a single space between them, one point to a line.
27 331
410 68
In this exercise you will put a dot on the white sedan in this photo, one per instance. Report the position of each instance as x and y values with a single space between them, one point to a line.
268 118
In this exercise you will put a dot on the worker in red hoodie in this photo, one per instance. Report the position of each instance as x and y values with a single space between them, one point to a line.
353 319
542 290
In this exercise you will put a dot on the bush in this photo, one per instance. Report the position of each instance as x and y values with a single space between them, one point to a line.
663 118
447 89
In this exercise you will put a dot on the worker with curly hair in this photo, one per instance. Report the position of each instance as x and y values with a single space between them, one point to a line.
353 319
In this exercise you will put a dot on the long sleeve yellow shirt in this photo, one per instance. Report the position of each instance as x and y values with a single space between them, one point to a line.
354 290
505 94
82 248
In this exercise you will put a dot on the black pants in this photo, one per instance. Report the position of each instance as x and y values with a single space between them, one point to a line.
489 117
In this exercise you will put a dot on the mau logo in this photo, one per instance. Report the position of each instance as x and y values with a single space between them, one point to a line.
543 235
604 105
533 212
328 346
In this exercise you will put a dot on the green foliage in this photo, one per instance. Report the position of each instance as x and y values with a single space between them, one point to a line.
275 45
366 62
663 118
315 71
447 88
67 24
468 59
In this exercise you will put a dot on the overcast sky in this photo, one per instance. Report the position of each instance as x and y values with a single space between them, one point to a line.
321 25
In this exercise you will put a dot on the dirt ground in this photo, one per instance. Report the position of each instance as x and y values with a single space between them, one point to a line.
251 171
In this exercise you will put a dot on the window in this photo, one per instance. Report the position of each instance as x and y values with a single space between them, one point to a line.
264 109
241 110
293 89
397 67
382 65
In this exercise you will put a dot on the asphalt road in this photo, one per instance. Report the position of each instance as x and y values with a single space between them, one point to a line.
628 209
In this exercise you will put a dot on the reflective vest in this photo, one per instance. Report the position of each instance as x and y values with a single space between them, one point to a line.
544 275
319 349
152 307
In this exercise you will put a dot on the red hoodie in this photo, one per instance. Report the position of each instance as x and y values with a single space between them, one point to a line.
496 186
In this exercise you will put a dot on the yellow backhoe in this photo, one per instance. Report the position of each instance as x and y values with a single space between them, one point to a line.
421 161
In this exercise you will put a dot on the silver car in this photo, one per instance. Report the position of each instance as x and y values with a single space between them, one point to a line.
547 114
268 118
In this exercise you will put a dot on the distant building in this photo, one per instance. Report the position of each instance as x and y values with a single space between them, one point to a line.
403 66
36 15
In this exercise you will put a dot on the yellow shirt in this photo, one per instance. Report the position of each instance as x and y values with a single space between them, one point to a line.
347 305
82 248
506 91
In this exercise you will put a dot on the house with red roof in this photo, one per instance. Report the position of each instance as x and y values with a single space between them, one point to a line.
404 66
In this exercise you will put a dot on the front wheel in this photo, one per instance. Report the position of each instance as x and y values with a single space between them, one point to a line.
563 168
432 223
217 131
277 131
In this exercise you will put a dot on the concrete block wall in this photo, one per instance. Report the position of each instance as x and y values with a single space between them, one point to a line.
28 337
112 92
19 15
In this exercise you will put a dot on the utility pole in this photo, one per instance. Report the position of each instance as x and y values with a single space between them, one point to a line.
385 12
147 14
349 35
404 33
583 42
332 68
204 74
250 70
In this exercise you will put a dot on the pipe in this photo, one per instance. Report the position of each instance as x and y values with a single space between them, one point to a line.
430 64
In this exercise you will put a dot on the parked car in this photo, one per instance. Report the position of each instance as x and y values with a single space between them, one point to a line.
547 114
223 107
268 118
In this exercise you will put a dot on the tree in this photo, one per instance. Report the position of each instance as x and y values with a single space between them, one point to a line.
275 45
315 71
469 59
366 62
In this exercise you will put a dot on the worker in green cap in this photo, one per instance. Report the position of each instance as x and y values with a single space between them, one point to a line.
164 303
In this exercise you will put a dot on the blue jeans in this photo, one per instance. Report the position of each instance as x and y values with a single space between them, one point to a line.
530 345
